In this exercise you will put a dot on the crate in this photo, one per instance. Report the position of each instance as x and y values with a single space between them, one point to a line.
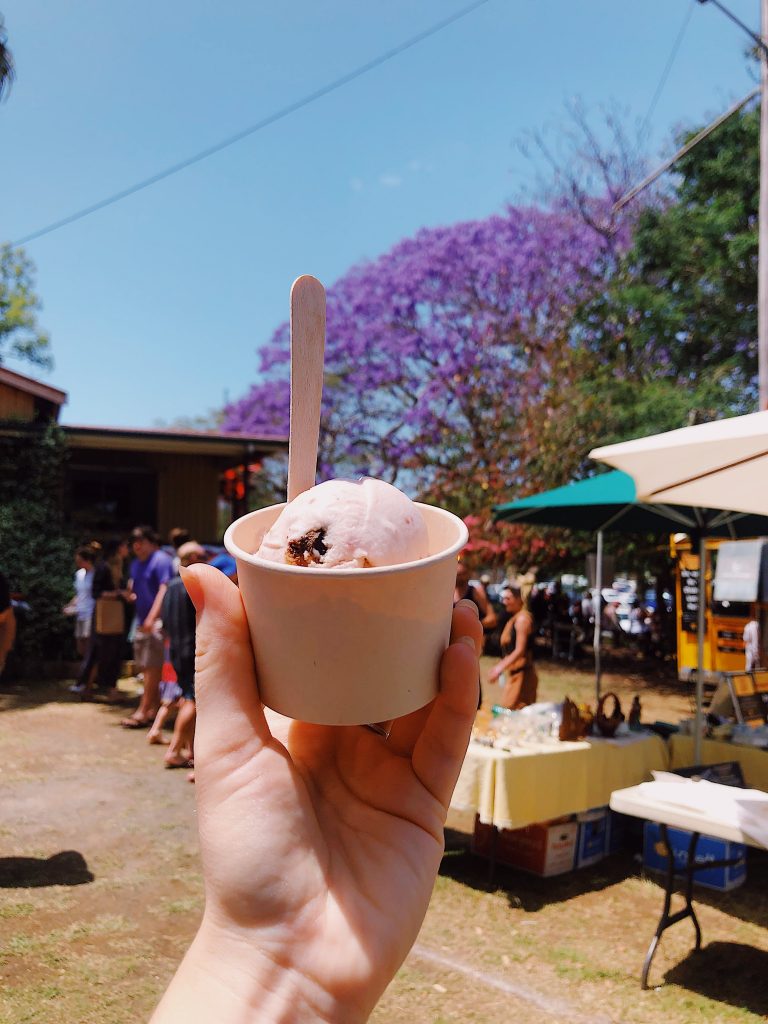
546 848
592 842
708 848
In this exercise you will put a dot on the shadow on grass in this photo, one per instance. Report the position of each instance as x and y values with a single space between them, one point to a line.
66 868
22 696
25 697
532 893
747 903
727 972
525 891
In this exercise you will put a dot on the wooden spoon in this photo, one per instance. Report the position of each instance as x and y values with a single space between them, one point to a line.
307 350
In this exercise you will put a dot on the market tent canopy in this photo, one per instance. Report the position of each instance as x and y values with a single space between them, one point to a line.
723 464
609 502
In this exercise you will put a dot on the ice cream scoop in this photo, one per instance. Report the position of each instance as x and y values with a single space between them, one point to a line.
345 524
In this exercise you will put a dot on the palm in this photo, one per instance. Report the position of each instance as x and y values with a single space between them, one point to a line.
354 821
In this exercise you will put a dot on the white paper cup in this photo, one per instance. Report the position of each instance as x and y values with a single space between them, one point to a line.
348 646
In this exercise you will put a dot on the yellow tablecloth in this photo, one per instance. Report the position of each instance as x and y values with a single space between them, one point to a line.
513 789
754 762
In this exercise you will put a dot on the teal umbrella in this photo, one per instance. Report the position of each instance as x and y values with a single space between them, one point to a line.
608 502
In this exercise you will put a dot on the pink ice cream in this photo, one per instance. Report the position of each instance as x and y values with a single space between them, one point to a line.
343 524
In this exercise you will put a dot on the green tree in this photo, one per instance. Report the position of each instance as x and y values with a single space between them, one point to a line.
671 338
20 335
683 303
35 552
7 72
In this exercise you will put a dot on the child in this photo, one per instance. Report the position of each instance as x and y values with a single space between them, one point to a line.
178 615
170 703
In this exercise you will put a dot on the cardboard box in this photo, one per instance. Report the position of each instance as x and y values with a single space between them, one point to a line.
592 843
544 849
707 849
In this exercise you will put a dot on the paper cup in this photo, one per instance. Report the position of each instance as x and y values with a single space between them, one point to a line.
347 646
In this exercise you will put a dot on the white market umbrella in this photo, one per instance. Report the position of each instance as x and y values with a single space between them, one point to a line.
723 464
719 465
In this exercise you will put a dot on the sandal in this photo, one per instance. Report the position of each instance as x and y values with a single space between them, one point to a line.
181 763
135 723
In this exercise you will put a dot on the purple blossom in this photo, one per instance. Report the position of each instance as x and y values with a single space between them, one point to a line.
435 348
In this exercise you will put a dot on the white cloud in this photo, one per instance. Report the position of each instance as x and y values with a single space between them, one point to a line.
356 184
390 180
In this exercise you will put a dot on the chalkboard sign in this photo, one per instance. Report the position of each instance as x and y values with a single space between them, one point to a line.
749 705
689 598
737 577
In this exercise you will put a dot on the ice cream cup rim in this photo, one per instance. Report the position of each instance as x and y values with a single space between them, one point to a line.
246 556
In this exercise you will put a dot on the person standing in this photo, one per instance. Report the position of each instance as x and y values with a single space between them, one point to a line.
110 584
476 593
521 681
751 638
178 614
81 605
150 572
7 622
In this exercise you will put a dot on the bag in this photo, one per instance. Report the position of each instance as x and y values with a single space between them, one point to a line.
576 721
110 617
608 724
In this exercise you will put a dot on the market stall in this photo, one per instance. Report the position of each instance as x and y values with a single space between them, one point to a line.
539 781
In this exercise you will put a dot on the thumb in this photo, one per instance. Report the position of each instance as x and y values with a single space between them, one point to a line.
230 717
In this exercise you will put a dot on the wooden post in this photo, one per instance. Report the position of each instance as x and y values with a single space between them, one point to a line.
701 628
597 607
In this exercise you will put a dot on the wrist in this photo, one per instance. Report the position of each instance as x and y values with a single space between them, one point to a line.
229 976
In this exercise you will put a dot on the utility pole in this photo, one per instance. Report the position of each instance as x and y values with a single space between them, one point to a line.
762 233
762 252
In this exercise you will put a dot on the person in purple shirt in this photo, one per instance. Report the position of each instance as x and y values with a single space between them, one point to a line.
150 571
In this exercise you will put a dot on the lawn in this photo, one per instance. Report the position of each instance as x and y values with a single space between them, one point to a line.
100 892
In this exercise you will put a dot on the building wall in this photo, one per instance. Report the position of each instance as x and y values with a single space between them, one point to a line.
188 489
175 490
15 404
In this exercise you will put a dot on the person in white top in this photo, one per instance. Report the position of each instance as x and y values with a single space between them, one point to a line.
752 645
82 604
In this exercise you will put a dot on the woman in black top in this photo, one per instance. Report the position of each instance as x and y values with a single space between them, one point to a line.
109 583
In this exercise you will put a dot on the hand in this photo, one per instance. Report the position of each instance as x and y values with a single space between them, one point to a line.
495 672
320 844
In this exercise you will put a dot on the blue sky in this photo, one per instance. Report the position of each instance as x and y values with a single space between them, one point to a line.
156 305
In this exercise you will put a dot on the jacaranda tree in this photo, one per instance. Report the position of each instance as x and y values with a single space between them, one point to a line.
436 349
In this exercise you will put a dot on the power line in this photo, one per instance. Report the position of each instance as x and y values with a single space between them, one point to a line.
629 196
279 115
759 42
665 73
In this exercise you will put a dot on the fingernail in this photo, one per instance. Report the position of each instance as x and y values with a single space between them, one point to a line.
466 603
195 591
468 641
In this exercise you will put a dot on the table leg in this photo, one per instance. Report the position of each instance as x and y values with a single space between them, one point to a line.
492 853
667 919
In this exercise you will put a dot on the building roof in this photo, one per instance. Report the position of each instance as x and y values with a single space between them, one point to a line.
32 386
191 442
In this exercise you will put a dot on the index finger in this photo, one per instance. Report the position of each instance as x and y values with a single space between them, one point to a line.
439 751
